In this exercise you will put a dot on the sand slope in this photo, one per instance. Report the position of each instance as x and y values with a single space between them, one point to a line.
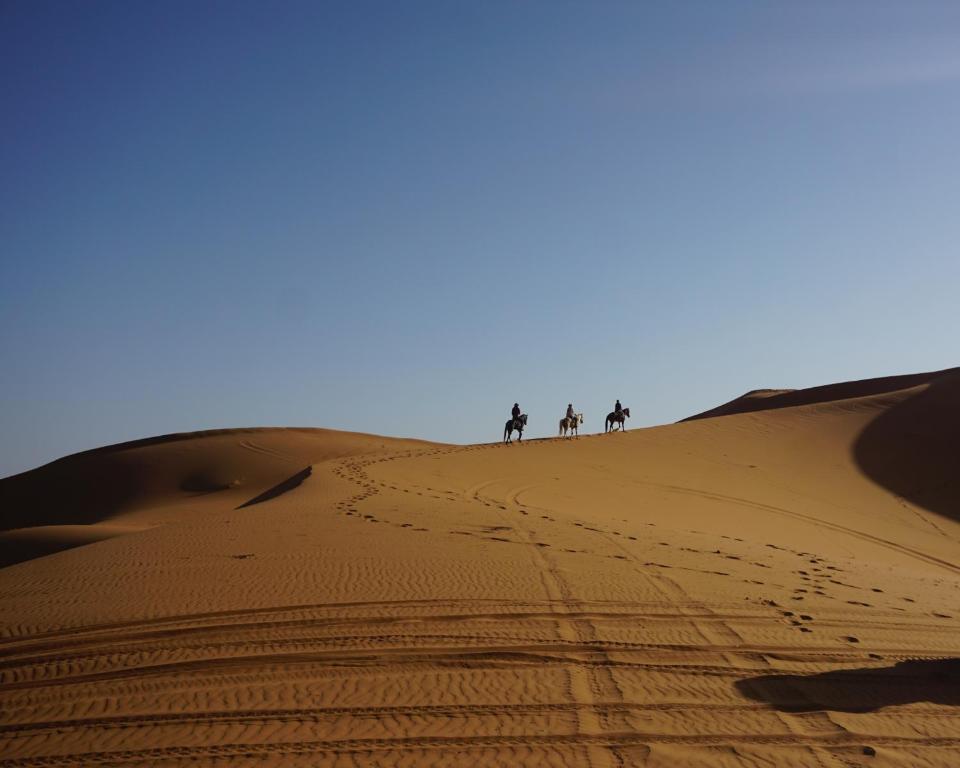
746 590
131 486
767 399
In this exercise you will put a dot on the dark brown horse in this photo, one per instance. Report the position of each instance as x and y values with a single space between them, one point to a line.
616 418
514 424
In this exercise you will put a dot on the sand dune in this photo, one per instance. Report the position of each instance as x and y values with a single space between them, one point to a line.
106 491
767 399
780 586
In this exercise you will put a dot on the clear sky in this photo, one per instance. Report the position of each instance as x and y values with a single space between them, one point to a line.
402 217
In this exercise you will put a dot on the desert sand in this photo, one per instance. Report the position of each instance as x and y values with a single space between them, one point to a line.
773 583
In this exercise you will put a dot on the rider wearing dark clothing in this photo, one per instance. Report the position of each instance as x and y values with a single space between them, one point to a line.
617 408
570 413
516 411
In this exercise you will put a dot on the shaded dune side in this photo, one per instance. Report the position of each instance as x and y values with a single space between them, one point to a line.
912 448
97 485
280 488
766 399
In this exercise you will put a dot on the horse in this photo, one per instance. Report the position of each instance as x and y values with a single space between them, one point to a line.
514 424
571 425
614 418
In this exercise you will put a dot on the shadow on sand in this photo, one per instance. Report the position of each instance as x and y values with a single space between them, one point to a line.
280 488
22 545
913 449
859 690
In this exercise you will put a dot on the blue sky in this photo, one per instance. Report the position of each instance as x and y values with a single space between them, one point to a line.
402 217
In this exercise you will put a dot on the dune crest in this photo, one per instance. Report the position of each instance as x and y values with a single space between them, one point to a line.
774 587
117 489
767 399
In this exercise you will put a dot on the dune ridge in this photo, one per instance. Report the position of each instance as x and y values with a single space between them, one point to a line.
778 586
137 483
767 399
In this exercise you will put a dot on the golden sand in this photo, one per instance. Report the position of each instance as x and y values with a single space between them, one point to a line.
775 586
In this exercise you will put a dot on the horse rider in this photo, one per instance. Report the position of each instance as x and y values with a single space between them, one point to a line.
618 409
570 414
515 412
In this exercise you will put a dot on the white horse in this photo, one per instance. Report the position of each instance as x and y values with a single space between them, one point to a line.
571 424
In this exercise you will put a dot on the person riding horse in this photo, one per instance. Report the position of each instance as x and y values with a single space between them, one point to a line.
517 421
570 414
617 418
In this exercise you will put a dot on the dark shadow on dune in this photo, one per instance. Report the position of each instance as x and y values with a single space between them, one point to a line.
23 545
201 484
868 689
280 488
83 491
913 448
13 551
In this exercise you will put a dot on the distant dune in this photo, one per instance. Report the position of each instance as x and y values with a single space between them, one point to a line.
780 586
137 484
767 399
